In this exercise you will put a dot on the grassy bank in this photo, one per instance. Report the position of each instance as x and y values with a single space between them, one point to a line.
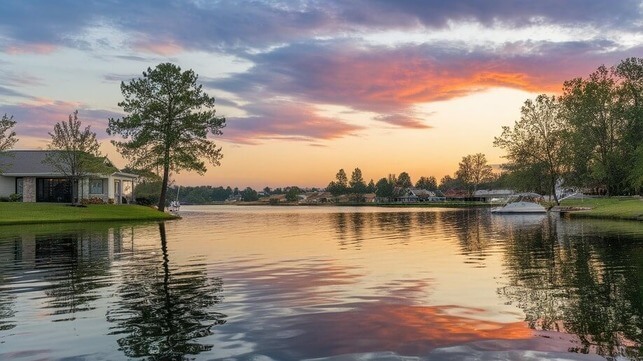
611 208
35 213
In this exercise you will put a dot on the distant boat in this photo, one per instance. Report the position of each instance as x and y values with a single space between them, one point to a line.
522 203
175 205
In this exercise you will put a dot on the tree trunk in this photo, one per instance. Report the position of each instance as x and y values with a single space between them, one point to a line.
166 176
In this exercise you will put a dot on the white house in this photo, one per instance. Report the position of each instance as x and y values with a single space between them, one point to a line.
24 172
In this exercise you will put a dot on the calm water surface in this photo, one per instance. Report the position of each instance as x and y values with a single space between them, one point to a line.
281 283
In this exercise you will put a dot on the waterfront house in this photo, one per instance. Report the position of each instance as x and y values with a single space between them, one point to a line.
413 195
26 173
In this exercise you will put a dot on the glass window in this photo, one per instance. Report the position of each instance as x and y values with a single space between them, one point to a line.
96 186
19 185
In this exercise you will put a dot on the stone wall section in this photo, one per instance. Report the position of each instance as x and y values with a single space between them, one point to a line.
29 189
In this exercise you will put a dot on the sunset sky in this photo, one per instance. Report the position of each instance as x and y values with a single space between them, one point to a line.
309 87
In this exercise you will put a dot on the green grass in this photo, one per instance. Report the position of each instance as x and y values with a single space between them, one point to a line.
34 213
614 207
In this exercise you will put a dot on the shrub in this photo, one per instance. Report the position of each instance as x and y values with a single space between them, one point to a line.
92 200
15 197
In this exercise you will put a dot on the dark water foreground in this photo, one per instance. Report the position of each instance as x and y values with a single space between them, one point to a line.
253 283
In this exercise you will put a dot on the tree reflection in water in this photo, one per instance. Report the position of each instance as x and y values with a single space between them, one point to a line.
163 311
586 285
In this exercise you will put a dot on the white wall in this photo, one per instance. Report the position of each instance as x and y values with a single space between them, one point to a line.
7 186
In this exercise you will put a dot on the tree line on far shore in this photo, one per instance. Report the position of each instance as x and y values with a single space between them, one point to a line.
589 138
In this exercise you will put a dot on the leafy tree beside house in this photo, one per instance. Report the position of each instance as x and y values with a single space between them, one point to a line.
74 152
7 134
168 120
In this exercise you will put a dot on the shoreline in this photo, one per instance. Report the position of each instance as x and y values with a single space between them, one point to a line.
17 213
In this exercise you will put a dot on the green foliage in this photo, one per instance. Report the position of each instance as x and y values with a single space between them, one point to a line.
357 185
404 180
604 115
537 144
75 151
292 194
7 135
340 185
428 183
384 188
370 188
147 193
447 182
473 170
169 119
249 195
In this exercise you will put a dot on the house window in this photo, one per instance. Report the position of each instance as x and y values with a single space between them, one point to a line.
95 186
19 185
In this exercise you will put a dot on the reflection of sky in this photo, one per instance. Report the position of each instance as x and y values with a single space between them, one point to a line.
372 280
318 282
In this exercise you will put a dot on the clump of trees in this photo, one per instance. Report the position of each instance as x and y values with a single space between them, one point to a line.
589 137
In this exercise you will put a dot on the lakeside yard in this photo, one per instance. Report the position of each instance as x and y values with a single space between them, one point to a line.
613 208
35 213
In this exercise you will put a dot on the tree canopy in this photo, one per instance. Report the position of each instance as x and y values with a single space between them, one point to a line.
75 151
537 142
168 120
473 170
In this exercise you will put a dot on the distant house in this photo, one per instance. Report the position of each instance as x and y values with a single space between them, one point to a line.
493 195
414 195
24 172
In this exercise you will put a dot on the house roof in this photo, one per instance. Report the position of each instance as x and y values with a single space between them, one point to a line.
29 163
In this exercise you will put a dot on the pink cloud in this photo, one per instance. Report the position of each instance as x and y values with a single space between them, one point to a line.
35 48
285 120
36 119
159 48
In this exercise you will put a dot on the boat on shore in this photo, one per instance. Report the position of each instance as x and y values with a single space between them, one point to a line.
521 203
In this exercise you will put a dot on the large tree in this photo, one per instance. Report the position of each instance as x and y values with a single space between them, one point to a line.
538 141
474 170
168 120
598 129
74 152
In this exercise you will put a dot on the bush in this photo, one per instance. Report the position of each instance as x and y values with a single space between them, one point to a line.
92 200
143 201
15 197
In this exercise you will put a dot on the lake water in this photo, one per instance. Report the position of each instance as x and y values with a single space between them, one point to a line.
298 283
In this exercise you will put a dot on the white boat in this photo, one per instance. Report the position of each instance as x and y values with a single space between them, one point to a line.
522 203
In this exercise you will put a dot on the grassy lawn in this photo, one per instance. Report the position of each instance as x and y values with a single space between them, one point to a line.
615 207
34 213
